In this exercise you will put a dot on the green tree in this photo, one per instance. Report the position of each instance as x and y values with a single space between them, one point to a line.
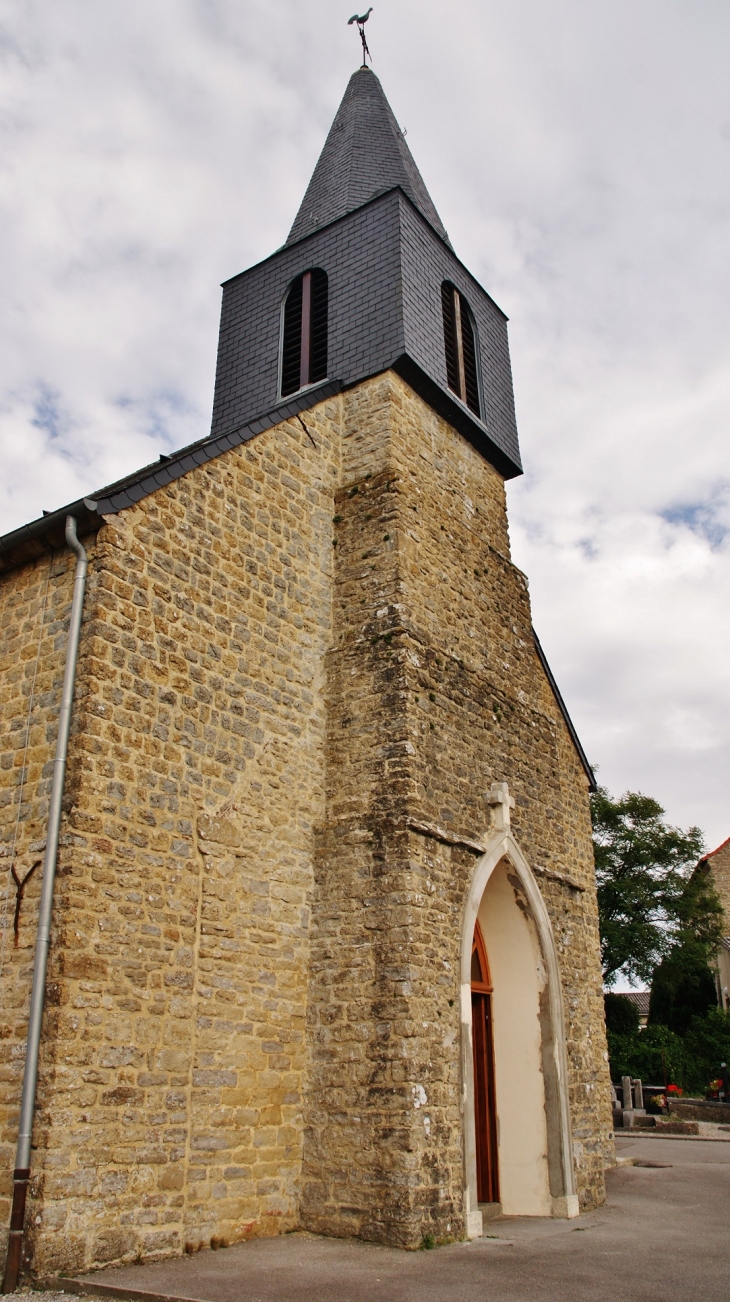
683 986
699 913
622 1015
642 869
707 1044
690 1060
649 1055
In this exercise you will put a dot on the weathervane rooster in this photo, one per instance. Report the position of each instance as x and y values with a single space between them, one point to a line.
361 21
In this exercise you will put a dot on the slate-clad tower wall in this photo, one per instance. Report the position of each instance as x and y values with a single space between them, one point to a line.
361 256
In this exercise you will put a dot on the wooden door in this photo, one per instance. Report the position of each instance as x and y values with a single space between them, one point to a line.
485 1112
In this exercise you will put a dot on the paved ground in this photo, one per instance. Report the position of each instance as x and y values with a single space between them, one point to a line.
663 1237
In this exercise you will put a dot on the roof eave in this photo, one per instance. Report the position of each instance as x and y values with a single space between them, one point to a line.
448 406
592 784
44 536
41 537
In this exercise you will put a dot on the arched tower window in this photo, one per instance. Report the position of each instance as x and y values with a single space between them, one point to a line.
461 347
304 340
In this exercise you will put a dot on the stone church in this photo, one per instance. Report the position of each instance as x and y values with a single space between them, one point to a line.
323 947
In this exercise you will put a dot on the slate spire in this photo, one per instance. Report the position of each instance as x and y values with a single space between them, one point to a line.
364 155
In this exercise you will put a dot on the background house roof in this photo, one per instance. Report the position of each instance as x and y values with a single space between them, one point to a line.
640 998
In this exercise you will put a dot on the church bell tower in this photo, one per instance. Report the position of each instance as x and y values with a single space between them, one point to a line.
392 295
435 689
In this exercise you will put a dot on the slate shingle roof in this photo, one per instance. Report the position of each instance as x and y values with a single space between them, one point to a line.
364 154
640 998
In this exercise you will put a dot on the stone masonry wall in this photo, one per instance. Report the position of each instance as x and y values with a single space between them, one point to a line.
173 1049
260 717
719 864
434 691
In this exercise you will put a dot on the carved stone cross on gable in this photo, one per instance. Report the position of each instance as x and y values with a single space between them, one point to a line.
501 803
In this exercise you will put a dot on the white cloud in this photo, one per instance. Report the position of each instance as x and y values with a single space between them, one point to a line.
578 155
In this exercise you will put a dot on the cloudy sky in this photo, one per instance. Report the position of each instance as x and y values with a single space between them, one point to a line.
579 154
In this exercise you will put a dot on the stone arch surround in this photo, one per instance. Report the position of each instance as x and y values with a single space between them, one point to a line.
535 1147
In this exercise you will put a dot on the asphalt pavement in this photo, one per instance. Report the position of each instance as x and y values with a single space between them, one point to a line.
663 1236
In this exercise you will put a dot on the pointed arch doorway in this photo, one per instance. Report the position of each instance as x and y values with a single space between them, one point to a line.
485 1103
521 976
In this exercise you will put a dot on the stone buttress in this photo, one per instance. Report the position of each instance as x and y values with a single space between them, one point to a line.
434 690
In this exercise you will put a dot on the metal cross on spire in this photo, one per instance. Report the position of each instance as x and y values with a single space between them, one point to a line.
361 21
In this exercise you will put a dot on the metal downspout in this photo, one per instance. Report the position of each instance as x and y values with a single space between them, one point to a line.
21 1175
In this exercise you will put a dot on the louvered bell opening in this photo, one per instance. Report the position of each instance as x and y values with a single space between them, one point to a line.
292 340
468 343
452 359
318 334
